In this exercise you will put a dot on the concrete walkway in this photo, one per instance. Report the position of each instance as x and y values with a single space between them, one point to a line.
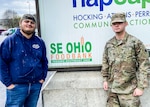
2 95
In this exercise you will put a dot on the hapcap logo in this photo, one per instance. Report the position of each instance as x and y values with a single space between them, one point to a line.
102 3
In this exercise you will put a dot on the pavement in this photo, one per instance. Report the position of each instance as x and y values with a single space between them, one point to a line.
3 91
2 95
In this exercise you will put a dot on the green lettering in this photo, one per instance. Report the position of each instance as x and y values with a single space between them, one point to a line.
69 47
134 1
53 49
120 2
77 47
144 3
88 46
59 48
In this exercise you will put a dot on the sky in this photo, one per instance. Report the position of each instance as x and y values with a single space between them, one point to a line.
19 6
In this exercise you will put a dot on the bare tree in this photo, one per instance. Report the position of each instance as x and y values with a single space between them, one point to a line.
10 19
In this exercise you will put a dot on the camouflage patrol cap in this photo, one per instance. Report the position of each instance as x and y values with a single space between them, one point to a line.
28 16
118 17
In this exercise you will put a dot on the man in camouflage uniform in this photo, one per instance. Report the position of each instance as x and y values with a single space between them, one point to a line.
124 67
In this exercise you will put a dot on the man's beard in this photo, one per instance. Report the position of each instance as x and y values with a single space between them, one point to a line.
27 32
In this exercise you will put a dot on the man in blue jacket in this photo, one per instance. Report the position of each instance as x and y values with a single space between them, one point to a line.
23 64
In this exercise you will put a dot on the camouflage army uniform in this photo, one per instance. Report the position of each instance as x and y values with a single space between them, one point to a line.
124 67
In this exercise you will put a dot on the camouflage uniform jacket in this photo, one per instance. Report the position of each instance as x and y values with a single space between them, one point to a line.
125 64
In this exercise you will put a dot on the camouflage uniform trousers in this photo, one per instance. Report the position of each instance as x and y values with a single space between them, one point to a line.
122 100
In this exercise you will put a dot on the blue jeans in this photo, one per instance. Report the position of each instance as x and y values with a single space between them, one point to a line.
23 95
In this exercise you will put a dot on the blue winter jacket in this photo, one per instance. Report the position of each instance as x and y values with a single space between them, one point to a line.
22 60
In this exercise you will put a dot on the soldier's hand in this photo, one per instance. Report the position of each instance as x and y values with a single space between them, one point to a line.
137 92
105 85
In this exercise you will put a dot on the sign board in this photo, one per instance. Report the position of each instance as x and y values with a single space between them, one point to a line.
75 31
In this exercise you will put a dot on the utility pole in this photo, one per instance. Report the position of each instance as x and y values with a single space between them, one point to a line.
28 6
